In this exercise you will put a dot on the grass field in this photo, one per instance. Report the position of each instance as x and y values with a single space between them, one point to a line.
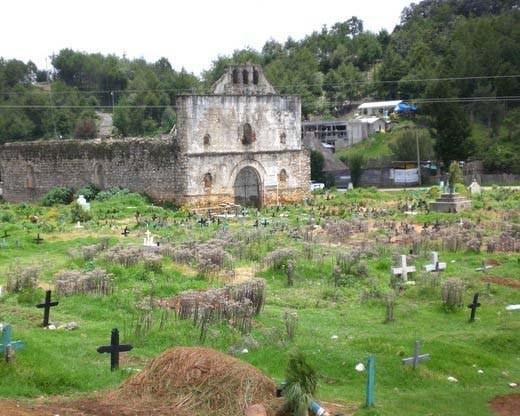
338 325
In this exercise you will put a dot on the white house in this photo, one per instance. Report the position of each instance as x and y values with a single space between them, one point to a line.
378 108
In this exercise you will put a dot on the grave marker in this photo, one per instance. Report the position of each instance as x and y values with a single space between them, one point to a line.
417 358
403 269
47 305
473 306
484 267
38 239
114 349
371 380
5 234
125 231
7 346
435 265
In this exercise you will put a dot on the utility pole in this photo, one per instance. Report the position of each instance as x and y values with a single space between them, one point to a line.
50 97
112 94
418 157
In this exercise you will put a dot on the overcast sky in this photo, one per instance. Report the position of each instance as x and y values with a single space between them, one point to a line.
190 33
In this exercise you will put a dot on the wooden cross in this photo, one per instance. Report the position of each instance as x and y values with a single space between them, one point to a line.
126 231
403 269
416 358
7 345
47 305
483 268
255 224
114 349
203 222
38 239
264 222
5 234
371 380
435 265
473 306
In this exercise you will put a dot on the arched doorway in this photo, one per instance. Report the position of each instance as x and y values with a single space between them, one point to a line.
247 188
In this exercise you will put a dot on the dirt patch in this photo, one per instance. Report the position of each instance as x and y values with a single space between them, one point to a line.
503 281
506 405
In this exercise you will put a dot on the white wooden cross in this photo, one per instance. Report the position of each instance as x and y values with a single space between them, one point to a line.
403 269
436 265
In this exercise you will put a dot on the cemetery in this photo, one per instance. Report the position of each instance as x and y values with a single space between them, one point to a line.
114 305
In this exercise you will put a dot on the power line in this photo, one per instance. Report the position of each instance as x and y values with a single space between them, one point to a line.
431 100
294 86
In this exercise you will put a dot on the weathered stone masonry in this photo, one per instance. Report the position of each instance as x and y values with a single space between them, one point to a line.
241 144
153 166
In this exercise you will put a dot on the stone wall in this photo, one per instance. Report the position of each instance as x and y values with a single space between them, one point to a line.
151 166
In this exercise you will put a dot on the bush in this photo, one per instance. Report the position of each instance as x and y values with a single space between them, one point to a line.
77 213
85 129
22 278
355 164
278 259
110 193
452 291
58 195
302 382
455 174
89 192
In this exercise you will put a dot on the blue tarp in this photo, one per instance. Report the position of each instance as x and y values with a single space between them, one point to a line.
405 108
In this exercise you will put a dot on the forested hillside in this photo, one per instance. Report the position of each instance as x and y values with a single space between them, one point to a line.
459 59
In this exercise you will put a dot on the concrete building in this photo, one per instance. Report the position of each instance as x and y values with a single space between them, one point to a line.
378 108
241 144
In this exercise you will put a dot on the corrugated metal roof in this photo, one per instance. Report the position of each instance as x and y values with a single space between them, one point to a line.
378 104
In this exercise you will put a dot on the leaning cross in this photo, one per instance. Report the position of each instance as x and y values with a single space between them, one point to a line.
47 305
483 267
435 265
416 358
114 349
8 346
473 306
5 234
403 270
126 231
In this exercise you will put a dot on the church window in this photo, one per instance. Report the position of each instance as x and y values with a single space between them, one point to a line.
245 76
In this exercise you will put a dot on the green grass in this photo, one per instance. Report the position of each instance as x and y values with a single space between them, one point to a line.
66 363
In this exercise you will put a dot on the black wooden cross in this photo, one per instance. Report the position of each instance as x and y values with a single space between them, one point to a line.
473 306
203 222
126 231
264 222
255 224
38 239
47 305
5 234
114 349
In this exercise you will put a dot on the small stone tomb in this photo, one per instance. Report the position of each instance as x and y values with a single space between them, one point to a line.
475 188
403 269
435 265
82 202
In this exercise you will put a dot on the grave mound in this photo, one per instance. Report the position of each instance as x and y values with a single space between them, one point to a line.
189 381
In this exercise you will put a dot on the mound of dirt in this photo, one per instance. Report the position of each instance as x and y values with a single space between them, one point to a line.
193 381
506 405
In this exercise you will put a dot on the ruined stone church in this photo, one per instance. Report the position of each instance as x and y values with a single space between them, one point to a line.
241 144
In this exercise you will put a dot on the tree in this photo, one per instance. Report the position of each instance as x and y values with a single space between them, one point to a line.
404 147
317 161
455 173
356 162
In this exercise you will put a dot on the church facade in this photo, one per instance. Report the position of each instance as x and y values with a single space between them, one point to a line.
241 144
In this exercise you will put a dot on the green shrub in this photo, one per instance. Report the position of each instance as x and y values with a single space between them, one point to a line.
89 192
77 213
452 292
58 195
110 193
302 382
